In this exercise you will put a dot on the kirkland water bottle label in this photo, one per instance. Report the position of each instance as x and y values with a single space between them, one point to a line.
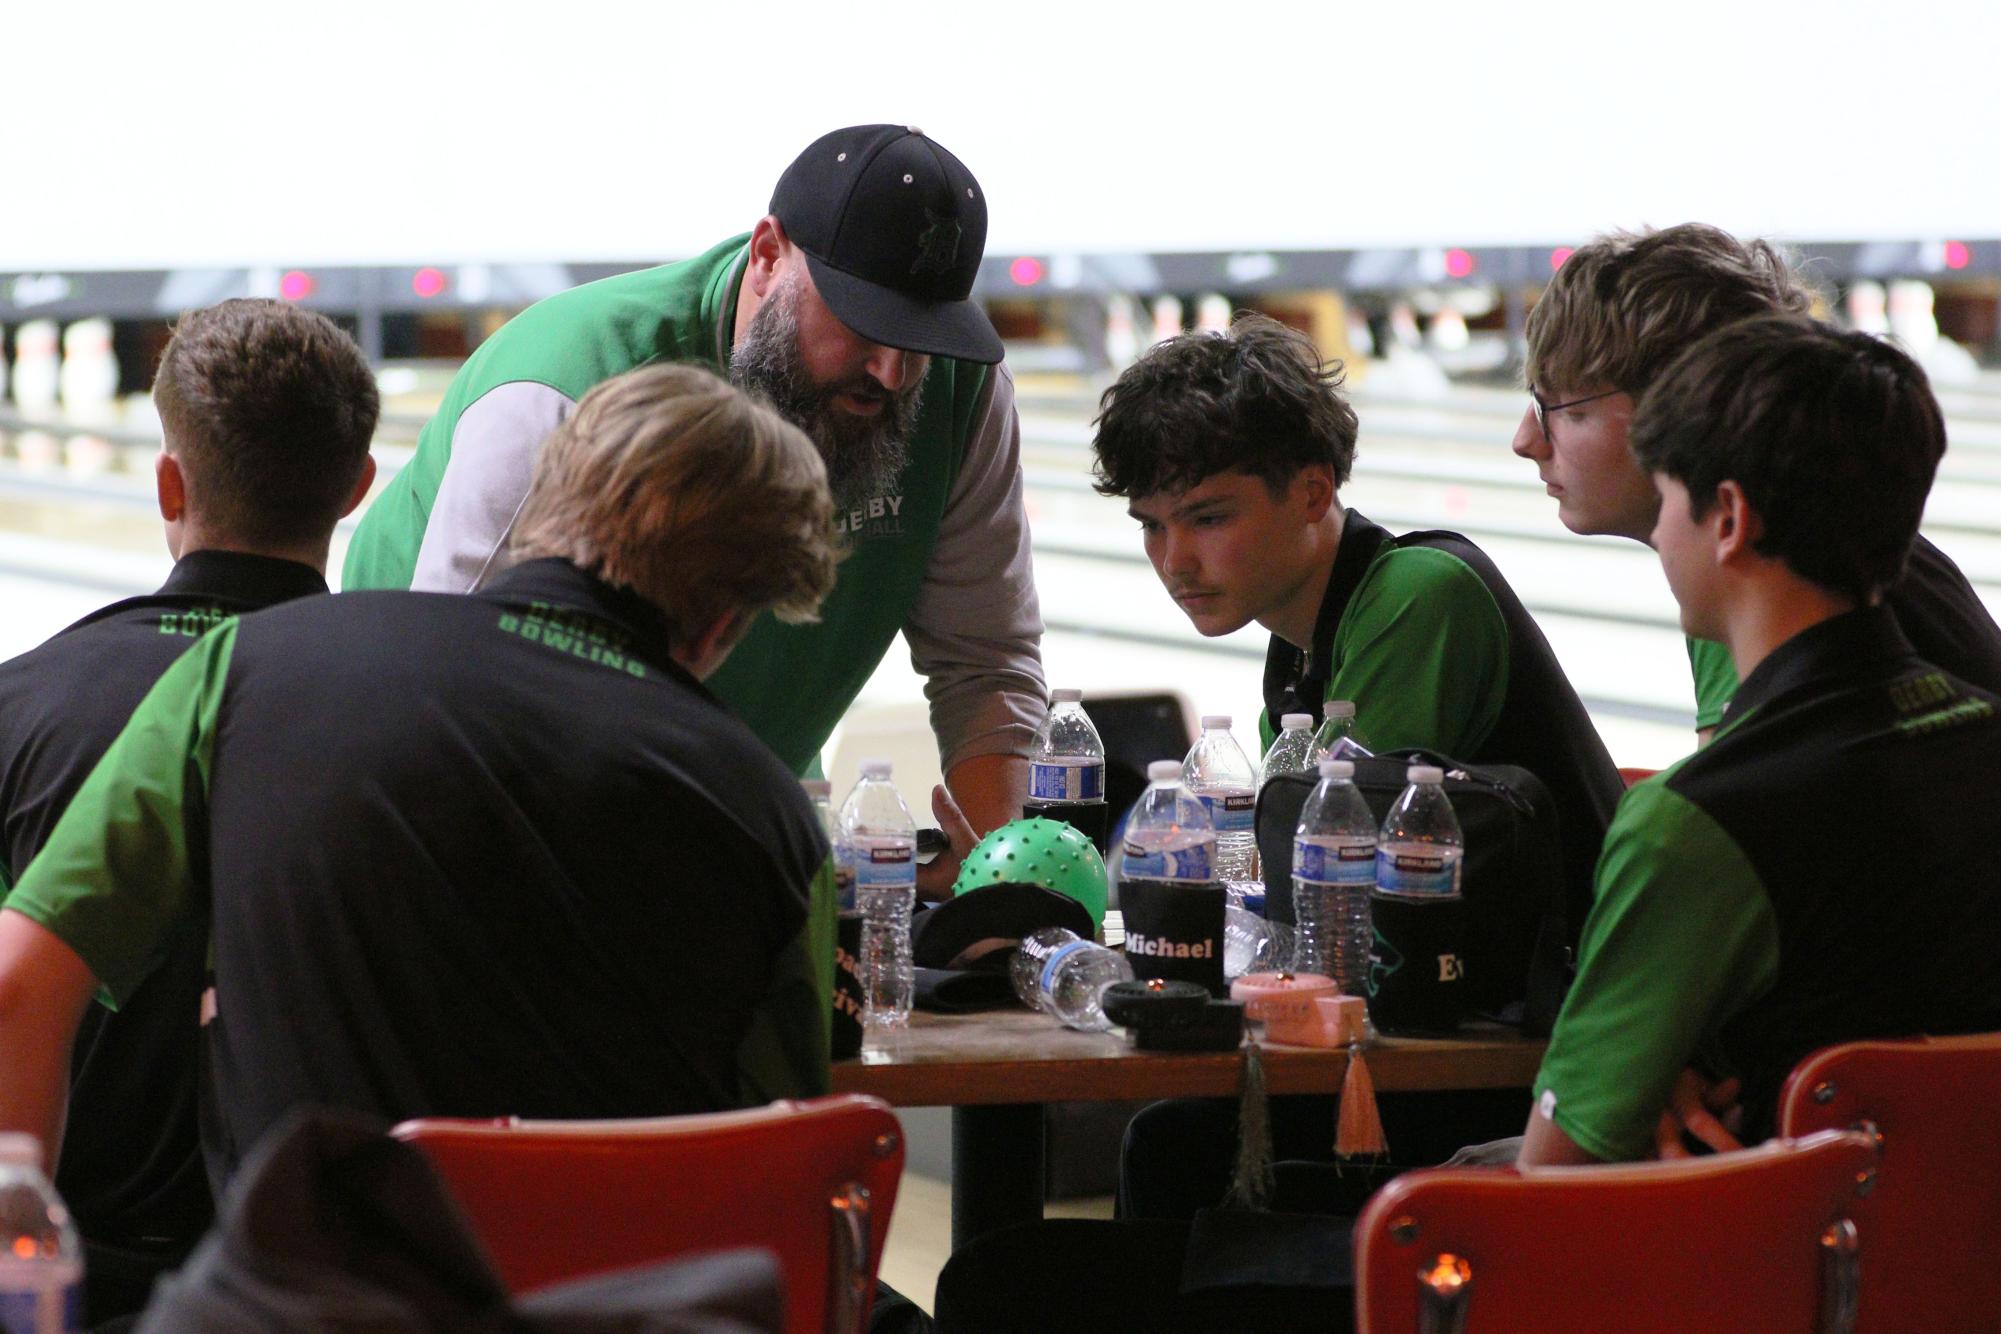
1334 861
1066 780
1232 812
1418 872
1195 862
1057 956
886 866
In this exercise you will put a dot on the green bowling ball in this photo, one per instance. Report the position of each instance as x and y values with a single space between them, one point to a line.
1041 852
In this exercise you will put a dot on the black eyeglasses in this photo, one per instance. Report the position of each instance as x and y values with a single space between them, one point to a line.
1542 409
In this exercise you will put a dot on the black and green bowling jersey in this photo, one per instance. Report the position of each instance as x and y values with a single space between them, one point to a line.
1935 606
1437 652
461 855
1823 871
131 1168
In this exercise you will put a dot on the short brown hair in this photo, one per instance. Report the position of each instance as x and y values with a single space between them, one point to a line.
1623 307
698 497
1834 437
1256 399
269 409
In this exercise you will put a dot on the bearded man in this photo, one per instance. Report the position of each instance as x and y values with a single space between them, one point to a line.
847 307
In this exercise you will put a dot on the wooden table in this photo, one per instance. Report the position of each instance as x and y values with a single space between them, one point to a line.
995 1071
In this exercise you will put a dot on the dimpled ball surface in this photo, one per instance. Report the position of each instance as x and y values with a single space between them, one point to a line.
1041 852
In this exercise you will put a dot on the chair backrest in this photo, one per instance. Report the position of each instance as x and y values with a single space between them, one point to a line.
812 1181
1756 1239
1137 728
1931 1231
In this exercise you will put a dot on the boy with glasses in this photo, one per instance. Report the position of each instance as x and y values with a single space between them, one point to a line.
1617 312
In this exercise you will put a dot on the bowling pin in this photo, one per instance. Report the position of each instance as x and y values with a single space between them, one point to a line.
37 357
1913 319
1866 308
89 377
1122 347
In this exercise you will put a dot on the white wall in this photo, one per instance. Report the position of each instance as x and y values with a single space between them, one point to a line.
419 131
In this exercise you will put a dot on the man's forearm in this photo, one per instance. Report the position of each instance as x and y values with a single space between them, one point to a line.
989 789
44 987
1545 1144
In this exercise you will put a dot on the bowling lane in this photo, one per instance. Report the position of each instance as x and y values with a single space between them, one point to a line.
78 528
48 582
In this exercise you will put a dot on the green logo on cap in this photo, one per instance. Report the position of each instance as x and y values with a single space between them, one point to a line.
937 245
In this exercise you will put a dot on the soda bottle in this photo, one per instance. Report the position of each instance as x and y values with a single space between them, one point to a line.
1218 772
881 841
1420 846
41 1264
1291 750
1066 770
1337 738
1333 870
1062 974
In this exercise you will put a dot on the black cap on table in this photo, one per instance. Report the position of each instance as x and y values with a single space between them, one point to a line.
893 228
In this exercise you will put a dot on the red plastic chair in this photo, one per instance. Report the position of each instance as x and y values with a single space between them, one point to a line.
814 1182
1753 1240
1931 1232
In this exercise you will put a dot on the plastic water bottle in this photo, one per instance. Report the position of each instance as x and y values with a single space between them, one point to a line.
1254 944
1218 772
1062 974
1168 836
1066 769
1419 850
1333 870
821 793
880 840
1291 750
1337 738
41 1264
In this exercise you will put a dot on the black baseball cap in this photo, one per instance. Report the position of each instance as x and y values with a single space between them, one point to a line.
981 922
893 228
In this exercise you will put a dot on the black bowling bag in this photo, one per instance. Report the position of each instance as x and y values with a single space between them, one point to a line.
1513 938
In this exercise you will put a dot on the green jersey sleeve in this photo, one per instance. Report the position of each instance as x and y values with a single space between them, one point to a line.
784 1054
1423 651
119 872
1715 680
1681 938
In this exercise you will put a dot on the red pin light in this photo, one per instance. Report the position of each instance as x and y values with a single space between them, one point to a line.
1026 271
1957 255
1458 263
296 285
427 282
1559 255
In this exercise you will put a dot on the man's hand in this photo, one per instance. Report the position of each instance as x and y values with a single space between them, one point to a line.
934 879
1706 1110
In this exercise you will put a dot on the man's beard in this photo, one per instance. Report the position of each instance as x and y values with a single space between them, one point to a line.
864 455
